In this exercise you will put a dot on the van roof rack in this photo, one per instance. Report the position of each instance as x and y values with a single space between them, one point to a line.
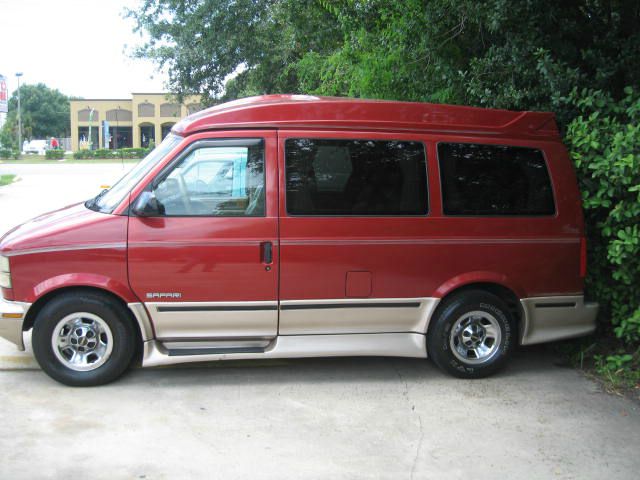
308 111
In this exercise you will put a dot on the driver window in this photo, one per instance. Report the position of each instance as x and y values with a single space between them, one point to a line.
219 181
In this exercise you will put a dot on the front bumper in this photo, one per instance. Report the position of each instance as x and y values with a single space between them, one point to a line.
12 315
555 318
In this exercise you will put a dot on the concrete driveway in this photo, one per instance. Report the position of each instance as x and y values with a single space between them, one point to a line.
377 418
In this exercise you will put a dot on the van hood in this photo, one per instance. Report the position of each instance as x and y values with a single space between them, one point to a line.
71 227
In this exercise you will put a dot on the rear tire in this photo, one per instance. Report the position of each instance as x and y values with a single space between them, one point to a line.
83 339
471 335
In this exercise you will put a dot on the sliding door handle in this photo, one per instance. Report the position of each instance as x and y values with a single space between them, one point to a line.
267 253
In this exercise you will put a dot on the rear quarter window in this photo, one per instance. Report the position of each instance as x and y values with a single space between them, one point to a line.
493 180
335 177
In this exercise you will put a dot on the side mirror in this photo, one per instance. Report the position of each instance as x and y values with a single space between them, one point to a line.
147 205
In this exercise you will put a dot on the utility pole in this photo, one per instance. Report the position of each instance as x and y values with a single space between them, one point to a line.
19 74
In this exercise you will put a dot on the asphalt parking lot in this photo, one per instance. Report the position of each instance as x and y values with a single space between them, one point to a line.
373 418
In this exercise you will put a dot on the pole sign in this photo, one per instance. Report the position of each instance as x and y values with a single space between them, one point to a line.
4 95
106 138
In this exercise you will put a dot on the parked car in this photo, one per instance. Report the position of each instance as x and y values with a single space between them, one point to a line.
37 147
295 226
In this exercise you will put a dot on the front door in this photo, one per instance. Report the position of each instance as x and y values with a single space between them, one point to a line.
206 266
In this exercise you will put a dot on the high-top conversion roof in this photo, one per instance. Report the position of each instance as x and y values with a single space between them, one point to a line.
306 111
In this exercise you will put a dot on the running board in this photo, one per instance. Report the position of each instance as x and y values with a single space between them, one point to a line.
294 346
183 352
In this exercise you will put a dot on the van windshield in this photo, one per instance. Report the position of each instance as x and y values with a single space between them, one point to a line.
107 200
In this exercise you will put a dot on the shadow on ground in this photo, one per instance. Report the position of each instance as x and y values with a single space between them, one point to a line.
537 359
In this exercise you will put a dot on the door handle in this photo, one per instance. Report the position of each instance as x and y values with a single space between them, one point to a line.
267 253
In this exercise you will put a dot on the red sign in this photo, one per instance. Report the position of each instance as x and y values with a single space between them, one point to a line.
4 96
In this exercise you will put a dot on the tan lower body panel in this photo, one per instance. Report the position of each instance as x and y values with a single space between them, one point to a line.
312 317
201 320
555 318
299 346
12 315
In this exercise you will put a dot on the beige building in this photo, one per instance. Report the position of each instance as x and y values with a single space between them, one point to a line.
131 122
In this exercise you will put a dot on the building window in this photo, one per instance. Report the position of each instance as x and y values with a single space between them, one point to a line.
119 115
165 129
355 177
494 180
147 134
146 110
86 143
120 137
193 108
83 115
170 110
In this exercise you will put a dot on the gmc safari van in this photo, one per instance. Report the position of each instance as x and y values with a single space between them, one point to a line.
298 226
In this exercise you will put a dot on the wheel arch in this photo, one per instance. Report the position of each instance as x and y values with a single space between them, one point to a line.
506 294
39 304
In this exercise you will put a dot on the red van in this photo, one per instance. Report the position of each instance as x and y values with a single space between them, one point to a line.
299 226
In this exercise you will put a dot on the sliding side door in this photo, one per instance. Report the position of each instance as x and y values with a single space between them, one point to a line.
354 211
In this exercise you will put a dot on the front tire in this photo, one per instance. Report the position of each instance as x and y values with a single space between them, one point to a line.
471 335
83 339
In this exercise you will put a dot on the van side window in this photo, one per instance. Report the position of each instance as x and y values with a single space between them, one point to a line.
355 177
494 180
216 181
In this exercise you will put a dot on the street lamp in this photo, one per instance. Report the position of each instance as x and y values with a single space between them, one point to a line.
18 75
90 140
115 143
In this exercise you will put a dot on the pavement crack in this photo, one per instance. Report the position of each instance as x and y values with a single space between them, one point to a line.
418 448
405 394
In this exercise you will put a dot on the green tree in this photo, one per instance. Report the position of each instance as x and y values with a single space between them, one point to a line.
203 43
515 54
44 112
604 140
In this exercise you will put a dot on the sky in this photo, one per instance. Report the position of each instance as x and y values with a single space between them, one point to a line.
76 46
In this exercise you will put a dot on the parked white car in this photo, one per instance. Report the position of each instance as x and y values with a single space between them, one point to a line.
36 146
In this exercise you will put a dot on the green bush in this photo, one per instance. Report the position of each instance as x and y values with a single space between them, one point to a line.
133 152
104 153
82 154
604 140
9 154
54 154
128 153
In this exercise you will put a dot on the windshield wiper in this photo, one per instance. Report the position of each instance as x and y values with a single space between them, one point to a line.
90 204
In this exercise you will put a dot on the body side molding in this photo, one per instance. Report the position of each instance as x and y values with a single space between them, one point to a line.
67 248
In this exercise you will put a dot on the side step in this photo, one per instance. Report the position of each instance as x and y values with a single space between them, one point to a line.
182 352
